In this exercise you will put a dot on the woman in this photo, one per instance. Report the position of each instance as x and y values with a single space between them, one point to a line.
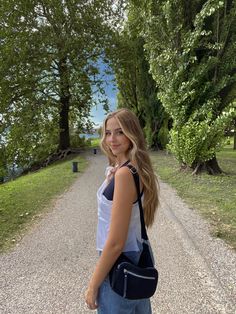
119 228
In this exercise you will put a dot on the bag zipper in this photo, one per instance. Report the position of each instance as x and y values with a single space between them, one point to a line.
136 275
125 286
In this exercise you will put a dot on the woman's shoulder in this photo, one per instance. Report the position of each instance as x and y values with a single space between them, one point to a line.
126 175
126 171
123 172
124 180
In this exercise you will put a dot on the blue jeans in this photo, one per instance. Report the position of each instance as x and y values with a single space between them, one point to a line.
110 302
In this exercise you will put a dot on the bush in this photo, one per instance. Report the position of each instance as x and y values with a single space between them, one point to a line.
198 141
228 141
76 141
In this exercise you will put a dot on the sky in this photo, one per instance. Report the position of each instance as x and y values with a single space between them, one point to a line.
97 113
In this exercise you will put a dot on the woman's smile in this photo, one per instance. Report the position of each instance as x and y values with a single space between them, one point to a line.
114 146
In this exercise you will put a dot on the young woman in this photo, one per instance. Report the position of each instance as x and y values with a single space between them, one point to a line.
119 228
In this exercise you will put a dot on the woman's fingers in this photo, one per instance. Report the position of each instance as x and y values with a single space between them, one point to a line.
90 299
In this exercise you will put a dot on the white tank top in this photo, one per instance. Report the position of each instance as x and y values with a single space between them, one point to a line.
104 217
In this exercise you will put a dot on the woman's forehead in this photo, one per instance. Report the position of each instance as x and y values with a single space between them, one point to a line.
113 124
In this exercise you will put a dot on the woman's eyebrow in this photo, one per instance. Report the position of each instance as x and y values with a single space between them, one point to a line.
115 129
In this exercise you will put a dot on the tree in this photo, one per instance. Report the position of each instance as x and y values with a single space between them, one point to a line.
137 89
192 55
49 52
234 134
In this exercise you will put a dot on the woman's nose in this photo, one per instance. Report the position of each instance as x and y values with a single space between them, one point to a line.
113 137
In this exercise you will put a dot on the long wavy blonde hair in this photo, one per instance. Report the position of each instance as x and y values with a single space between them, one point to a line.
138 152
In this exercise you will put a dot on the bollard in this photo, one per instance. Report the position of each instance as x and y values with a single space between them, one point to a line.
95 151
75 166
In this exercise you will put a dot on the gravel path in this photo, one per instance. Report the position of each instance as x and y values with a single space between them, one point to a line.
48 270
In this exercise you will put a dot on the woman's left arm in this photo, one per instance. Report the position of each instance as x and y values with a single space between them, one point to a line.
124 196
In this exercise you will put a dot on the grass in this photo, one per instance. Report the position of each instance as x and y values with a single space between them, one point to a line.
25 198
213 196
95 142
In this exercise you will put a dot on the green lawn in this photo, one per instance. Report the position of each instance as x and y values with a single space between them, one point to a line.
213 196
22 200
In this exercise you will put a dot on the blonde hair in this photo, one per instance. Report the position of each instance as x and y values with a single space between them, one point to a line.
138 152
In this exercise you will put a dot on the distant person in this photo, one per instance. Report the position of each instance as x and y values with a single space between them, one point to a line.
119 228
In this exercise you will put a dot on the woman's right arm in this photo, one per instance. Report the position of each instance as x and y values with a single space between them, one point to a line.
124 196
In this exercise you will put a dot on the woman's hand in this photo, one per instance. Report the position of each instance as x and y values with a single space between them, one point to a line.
110 172
91 298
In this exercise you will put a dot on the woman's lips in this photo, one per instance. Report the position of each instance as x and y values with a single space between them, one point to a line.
114 146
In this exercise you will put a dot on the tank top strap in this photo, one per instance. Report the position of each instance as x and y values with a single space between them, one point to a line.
125 164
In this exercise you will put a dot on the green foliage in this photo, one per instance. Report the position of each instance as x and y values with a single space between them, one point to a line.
228 141
192 55
198 141
137 89
31 143
49 73
95 142
3 167
164 134
77 141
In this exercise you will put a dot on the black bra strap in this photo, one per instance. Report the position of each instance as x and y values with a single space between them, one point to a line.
136 180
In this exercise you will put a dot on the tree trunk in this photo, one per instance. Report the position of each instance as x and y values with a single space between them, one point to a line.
64 136
211 167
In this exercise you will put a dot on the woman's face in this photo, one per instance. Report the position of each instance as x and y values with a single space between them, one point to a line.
115 138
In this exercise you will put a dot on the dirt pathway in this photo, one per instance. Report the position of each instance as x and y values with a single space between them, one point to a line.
49 269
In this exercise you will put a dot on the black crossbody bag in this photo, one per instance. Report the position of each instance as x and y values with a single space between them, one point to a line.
135 281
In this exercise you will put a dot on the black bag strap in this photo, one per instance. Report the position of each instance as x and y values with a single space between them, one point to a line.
136 180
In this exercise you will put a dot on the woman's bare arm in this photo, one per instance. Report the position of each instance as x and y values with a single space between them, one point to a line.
124 196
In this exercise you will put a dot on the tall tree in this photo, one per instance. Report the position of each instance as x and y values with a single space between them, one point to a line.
192 55
137 89
49 52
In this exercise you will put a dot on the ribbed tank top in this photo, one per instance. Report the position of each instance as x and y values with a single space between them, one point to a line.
104 217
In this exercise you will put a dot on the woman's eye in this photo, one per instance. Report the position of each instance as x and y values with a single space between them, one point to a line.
116 133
